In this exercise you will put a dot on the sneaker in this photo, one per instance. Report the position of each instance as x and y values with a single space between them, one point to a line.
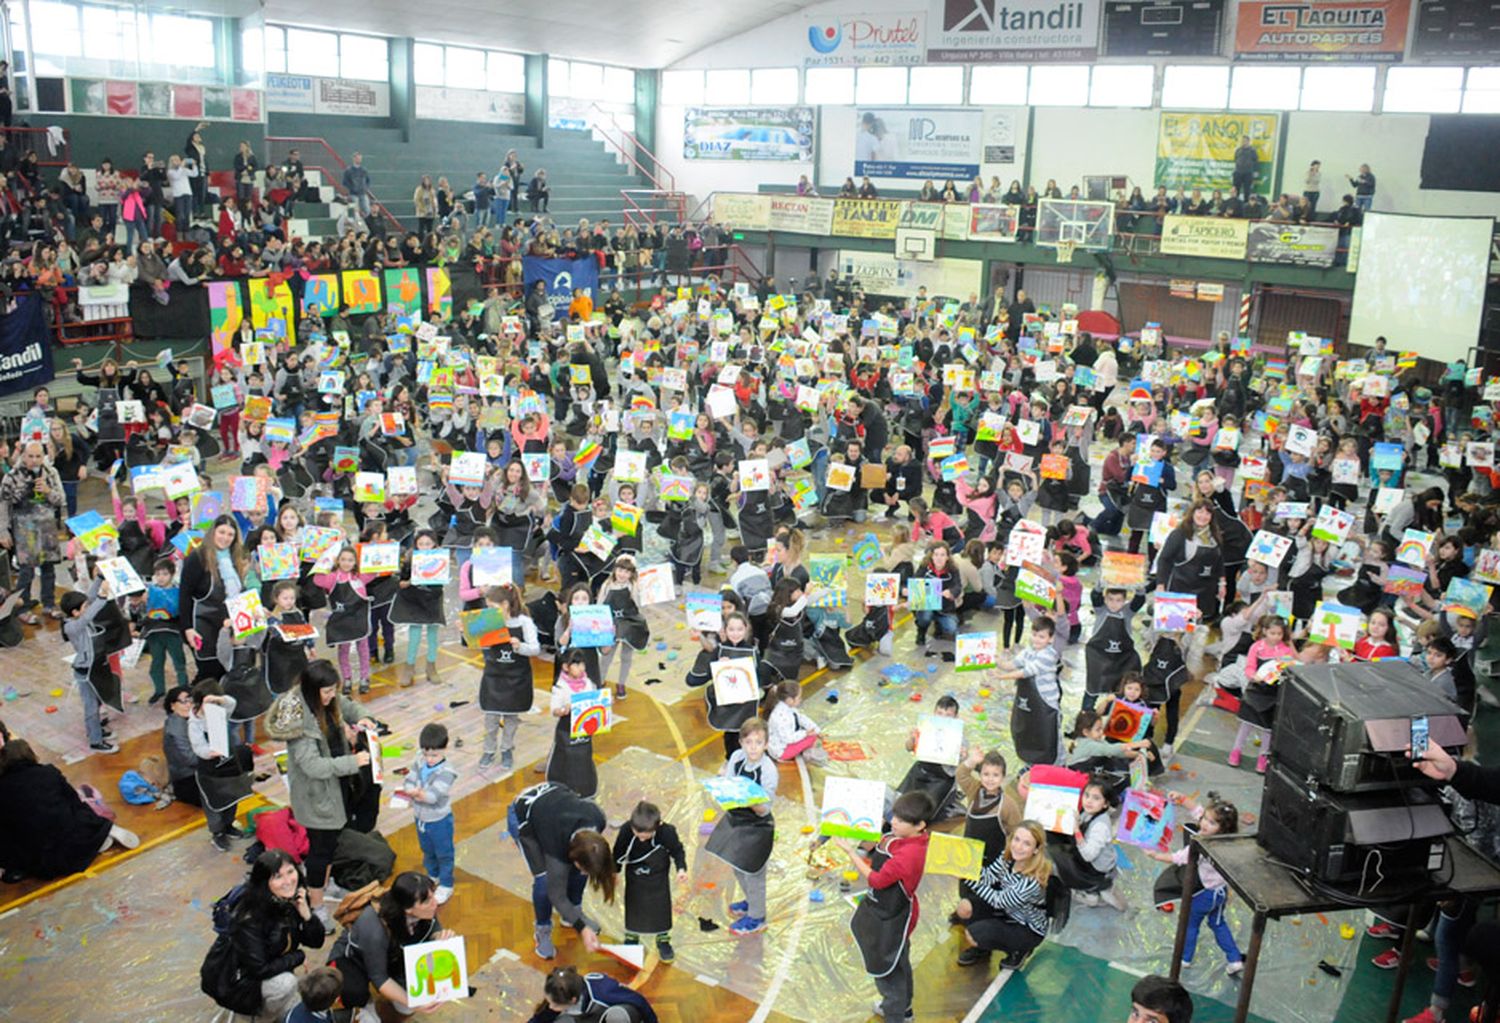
104 746
620 691
1089 899
1234 758
1166 751
256 749
1425 1016
1187 964
221 842
879 1010
127 838
739 908
333 891
348 688
389 658
507 760
1465 977
747 925
975 956
664 950
1381 929
443 894
1014 960
155 699
487 760
364 686
1262 762
234 832
544 947
1387 960
1236 968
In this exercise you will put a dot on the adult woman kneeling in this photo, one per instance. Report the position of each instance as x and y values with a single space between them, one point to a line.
313 721
560 836
272 923
1006 909
370 953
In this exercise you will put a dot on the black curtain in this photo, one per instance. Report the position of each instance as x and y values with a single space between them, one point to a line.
184 316
1462 154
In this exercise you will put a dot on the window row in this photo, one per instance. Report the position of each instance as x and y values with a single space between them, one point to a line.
1183 86
576 79
306 51
94 32
459 67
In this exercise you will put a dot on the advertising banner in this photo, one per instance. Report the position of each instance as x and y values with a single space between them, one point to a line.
848 40
25 346
987 32
1362 30
1196 150
918 143
1213 237
561 276
749 212
290 93
751 133
993 223
866 218
802 214
1297 244
1456 30
881 273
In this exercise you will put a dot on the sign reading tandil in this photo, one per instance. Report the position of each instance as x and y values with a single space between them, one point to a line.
844 39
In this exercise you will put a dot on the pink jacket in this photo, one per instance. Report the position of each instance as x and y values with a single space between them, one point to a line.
984 507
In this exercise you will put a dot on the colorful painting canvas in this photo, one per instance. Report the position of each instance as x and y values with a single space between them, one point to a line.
1145 820
654 584
940 740
436 971
1128 722
735 681
468 469
1486 566
379 558
975 651
867 552
484 626
705 611
1122 570
1027 542
591 713
277 560
1332 524
593 626
1414 547
840 477
735 792
755 474
246 614
1174 612
924 594
1268 549
1335 625
1036 585
1465 596
369 487
431 568
882 589
491 566
853 808
401 480
954 856
120 577
596 541
1052 799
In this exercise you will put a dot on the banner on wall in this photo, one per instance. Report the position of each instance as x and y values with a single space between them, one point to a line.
881 273
561 276
850 39
749 212
917 143
1296 244
25 346
801 214
1163 28
312 95
1196 150
1361 30
1210 237
866 218
993 222
290 93
748 133
440 104
986 31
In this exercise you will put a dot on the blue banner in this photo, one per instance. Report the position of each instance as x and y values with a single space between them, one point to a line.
561 276
25 346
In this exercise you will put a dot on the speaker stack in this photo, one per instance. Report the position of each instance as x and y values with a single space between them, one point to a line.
1343 804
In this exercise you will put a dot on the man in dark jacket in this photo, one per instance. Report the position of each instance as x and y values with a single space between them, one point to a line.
903 480
1246 163
357 183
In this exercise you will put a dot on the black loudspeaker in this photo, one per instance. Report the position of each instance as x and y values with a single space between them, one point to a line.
1345 727
1370 845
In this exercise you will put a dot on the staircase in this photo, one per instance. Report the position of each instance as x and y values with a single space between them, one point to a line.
586 179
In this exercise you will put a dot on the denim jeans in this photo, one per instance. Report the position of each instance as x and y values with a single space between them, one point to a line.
436 840
541 902
135 233
947 623
362 201
182 212
1364 202
90 701
1208 905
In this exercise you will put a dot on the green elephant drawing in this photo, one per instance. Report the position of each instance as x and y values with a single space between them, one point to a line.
432 968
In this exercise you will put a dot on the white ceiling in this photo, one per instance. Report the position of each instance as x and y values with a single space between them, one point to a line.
631 33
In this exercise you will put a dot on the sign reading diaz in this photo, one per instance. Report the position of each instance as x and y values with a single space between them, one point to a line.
25 346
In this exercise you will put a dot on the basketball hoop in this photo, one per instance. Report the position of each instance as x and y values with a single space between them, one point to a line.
1065 251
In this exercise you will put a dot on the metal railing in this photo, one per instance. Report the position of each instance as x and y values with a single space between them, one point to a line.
642 206
278 146
25 140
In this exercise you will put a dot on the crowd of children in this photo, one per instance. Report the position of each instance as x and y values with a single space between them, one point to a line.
383 462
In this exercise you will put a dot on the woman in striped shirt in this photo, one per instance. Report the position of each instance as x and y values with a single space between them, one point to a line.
1007 910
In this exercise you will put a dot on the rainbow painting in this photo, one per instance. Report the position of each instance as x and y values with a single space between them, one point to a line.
852 808
592 713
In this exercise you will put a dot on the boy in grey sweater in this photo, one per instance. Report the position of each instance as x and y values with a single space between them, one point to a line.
429 782
79 611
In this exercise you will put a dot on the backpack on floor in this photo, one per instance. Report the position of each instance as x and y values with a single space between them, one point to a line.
360 858
136 790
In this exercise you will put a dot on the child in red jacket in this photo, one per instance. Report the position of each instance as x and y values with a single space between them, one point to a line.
893 872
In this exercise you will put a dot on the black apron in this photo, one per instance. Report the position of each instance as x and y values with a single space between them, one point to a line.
209 612
465 521
1200 576
349 615
756 522
224 782
1145 502
784 648
648 887
1034 725
1109 653
506 685
1307 590
881 919
985 825
418 605
246 682
284 661
932 779
743 838
630 628
571 761
1164 671
135 547
383 590
729 719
